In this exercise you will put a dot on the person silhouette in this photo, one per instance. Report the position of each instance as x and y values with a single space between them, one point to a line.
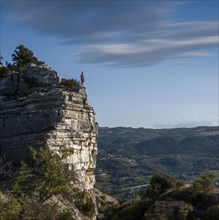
82 78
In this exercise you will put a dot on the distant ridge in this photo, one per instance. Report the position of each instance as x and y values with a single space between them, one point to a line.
130 156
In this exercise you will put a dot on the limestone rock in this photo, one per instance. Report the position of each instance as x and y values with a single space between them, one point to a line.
42 74
47 114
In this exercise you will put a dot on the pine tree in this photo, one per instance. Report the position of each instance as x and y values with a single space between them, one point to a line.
23 56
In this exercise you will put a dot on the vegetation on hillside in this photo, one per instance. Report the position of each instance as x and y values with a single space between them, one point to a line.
128 157
185 202
35 191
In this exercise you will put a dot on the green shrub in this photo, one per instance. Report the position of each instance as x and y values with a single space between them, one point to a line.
69 83
88 208
204 182
133 211
50 174
160 183
21 188
108 209
181 213
103 197
32 209
65 215
9 207
84 203
6 171
34 186
4 72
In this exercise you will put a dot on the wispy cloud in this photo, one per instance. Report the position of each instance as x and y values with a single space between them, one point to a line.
145 53
193 55
121 33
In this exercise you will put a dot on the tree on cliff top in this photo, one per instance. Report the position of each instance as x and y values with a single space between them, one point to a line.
22 56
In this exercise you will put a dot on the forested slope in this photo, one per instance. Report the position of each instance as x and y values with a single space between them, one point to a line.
128 157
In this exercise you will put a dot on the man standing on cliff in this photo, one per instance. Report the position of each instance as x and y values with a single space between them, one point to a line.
82 78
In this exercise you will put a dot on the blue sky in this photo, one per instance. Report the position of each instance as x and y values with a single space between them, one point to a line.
150 64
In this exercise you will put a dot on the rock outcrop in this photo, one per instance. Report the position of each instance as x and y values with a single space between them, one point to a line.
36 110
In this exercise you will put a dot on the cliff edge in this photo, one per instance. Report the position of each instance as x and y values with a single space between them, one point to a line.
38 109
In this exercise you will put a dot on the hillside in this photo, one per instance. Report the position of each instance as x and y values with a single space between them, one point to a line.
128 157
169 199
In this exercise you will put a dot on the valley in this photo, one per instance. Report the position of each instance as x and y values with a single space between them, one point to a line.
129 157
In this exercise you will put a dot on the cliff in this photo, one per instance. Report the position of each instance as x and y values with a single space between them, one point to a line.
38 109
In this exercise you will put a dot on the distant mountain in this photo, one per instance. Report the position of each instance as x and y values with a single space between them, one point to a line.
128 157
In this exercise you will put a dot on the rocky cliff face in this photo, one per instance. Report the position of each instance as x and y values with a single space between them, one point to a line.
37 110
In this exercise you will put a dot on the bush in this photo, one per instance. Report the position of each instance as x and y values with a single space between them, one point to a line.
84 203
9 207
69 83
181 213
21 188
108 209
65 215
38 211
33 187
135 211
204 183
4 72
130 211
49 176
5 168
160 183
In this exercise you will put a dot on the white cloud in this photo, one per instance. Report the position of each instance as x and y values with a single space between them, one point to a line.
122 33
147 52
191 55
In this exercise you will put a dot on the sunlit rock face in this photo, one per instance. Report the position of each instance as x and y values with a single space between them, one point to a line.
37 110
